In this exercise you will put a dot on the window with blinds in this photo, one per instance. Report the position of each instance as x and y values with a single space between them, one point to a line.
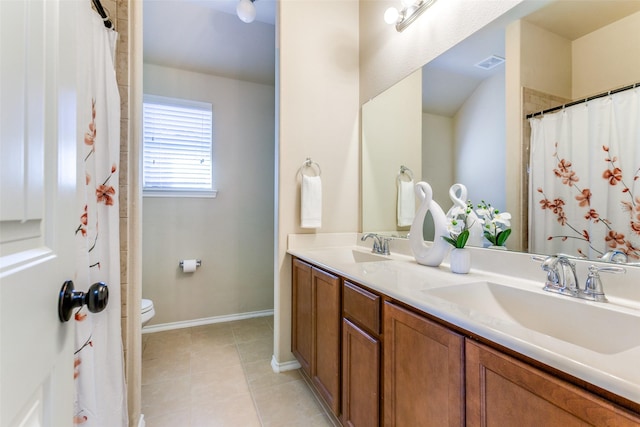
177 147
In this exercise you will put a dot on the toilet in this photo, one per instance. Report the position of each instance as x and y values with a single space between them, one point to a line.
147 311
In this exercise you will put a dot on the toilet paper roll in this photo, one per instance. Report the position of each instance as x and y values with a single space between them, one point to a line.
189 265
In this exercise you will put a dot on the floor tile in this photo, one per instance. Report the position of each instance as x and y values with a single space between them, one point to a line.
256 350
260 374
212 357
167 343
238 411
180 418
162 398
220 375
223 382
252 332
166 368
291 403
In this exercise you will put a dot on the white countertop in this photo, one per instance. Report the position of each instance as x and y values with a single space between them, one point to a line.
405 280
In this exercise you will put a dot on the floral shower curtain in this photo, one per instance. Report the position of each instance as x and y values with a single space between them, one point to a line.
584 194
100 395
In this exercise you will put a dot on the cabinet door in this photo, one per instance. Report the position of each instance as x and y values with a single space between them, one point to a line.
423 371
301 328
325 365
360 377
502 391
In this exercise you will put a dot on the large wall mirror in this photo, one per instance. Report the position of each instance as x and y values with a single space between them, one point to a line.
454 120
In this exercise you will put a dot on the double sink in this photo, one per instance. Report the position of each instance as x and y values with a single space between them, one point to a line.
598 327
594 341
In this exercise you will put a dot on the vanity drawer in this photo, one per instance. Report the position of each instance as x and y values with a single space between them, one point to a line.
361 306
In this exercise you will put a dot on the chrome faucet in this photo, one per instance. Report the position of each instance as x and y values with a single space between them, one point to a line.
569 281
615 256
561 275
380 243
549 265
562 278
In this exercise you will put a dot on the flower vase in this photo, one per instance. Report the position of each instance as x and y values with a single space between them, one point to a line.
500 248
460 260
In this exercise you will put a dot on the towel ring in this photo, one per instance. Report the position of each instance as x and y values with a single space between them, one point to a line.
405 171
309 164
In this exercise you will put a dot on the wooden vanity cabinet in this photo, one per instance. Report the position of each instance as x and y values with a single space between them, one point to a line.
360 357
423 371
400 368
315 331
503 391
301 327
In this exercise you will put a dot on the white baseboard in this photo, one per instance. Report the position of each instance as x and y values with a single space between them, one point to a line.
141 422
206 321
284 366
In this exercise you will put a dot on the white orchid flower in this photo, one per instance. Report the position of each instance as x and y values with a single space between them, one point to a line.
455 227
483 213
503 218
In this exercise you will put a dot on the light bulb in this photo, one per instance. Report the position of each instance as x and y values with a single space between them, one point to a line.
246 11
391 15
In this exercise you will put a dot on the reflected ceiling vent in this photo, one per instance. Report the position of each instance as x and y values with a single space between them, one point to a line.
491 62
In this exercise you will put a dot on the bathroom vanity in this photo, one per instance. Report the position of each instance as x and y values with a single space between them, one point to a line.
388 342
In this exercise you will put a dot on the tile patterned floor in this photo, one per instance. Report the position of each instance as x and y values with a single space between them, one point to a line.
220 375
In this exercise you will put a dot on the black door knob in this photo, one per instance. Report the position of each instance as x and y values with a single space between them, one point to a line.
96 299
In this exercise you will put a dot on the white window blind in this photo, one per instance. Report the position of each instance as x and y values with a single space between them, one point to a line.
177 141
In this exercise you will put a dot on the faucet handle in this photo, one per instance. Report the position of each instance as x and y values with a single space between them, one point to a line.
539 258
550 266
384 245
593 289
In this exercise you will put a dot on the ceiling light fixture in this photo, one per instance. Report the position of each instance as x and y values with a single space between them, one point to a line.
246 11
411 9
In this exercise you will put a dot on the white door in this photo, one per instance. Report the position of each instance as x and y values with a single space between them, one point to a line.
37 199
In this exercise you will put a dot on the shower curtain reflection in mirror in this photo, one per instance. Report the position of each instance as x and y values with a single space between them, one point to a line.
584 193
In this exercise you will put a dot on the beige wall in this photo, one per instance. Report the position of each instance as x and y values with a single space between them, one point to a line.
317 44
390 139
479 132
594 53
437 156
231 234
545 60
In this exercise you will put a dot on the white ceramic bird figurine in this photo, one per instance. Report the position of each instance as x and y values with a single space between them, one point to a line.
434 254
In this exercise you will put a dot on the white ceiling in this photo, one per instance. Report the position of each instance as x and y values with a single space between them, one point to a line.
450 79
208 37
265 9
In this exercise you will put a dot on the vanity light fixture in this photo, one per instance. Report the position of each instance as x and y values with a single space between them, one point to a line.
246 11
411 9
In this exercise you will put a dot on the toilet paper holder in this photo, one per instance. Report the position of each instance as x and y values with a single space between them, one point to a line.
198 263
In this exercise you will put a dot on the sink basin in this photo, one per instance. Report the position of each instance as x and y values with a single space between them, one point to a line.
599 329
359 256
346 255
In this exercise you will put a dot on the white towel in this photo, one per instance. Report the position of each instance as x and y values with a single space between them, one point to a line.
311 202
406 203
